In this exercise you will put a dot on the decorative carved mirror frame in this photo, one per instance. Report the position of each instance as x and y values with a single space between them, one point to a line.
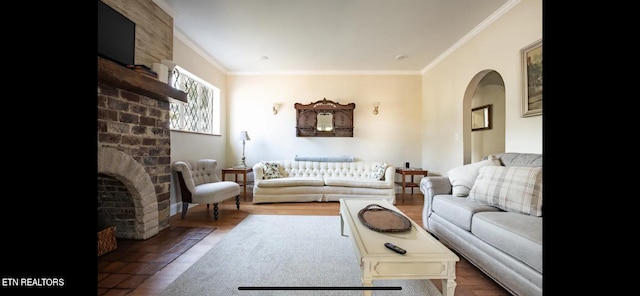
309 125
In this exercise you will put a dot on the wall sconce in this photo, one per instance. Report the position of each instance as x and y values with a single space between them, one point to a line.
275 108
375 107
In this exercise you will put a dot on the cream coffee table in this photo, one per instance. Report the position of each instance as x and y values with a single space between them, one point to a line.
426 257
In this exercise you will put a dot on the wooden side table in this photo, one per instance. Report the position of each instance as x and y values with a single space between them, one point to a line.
409 172
236 172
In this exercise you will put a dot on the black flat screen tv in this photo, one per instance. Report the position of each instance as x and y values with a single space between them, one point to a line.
116 35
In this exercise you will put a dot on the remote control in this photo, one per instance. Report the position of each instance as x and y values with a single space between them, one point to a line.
395 248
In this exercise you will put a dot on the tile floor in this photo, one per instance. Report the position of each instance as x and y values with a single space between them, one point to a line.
134 261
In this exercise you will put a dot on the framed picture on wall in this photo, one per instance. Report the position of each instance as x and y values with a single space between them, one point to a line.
481 118
532 79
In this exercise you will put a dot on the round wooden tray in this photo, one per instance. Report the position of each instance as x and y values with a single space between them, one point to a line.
381 219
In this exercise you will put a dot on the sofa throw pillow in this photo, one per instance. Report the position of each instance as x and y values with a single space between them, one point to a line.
271 170
513 189
378 171
463 177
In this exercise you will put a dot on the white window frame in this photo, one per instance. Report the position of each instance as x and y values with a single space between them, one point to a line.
205 116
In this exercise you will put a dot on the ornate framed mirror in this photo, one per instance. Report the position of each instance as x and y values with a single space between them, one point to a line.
324 118
325 121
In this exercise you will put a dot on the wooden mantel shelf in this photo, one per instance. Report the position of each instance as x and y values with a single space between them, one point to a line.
121 77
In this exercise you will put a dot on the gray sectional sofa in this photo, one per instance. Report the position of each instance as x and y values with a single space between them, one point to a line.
490 212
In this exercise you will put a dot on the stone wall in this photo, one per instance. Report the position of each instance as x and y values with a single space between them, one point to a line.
154 30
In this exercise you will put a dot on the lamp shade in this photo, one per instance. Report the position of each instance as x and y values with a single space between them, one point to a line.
244 136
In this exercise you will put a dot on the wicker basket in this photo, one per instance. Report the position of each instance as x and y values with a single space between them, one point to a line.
107 240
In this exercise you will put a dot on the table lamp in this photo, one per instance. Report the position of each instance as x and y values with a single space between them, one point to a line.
244 136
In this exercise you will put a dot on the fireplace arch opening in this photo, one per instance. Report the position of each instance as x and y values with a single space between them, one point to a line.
132 176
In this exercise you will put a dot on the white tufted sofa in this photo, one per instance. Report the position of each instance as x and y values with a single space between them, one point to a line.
304 181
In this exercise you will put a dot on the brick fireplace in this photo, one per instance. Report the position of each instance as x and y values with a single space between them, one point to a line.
134 151
134 163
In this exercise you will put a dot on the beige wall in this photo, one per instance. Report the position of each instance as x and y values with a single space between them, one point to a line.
392 136
444 86
192 145
420 119
186 146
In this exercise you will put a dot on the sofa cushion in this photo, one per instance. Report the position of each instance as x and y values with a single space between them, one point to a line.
290 182
515 234
357 182
271 170
463 177
517 189
378 171
459 210
325 158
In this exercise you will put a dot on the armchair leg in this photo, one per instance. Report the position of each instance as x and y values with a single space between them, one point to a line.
185 207
238 202
215 211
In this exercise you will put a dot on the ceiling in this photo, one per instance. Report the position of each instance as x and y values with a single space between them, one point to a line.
322 36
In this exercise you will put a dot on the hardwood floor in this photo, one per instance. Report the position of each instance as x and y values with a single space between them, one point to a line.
147 267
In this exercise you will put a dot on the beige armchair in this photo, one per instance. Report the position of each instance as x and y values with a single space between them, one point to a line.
198 183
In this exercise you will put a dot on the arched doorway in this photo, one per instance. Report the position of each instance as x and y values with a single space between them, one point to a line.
485 89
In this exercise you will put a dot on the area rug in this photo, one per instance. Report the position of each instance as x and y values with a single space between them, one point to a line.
277 255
